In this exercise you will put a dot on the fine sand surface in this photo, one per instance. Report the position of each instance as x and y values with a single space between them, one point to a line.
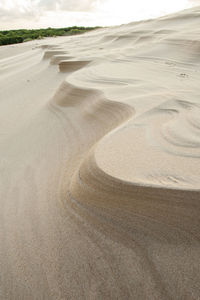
100 164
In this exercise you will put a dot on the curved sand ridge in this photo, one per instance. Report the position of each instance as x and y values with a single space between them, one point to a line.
160 233
99 169
169 137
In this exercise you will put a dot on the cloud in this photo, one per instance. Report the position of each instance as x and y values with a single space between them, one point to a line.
38 13
13 11
16 9
39 7
46 4
195 1
69 5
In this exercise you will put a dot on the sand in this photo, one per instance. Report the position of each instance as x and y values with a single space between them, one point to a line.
100 164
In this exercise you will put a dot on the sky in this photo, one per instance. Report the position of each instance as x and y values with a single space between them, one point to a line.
15 14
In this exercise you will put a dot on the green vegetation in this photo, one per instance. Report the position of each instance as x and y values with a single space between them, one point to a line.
24 35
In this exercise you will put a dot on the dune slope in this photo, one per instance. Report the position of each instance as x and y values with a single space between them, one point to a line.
100 164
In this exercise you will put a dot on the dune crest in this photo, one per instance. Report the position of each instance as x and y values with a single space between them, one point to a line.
99 168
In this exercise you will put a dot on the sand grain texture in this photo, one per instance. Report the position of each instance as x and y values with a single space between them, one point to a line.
100 164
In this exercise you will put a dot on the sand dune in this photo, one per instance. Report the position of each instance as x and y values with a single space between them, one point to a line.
100 164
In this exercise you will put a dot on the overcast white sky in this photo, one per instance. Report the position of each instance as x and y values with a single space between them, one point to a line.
64 13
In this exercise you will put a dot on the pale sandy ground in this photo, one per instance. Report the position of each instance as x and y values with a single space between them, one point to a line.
100 164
